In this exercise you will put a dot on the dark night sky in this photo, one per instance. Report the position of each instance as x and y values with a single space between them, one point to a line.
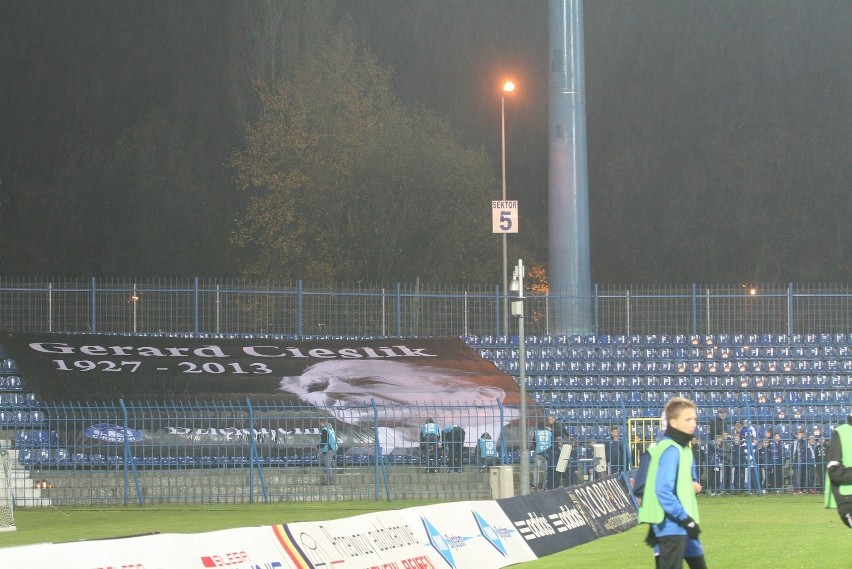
719 131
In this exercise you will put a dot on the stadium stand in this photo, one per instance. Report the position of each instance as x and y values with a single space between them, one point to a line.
771 381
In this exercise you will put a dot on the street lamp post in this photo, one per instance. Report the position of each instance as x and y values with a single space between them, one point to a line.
508 87
518 310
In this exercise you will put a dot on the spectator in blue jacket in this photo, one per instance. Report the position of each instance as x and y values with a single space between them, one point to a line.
486 451
429 440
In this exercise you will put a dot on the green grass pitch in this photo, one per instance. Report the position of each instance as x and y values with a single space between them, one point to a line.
741 532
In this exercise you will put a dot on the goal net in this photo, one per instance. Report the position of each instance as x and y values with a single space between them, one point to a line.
7 520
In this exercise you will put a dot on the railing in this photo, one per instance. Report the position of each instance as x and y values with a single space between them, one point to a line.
301 309
76 454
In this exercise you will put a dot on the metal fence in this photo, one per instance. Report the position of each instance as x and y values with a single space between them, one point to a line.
253 451
250 452
77 454
196 305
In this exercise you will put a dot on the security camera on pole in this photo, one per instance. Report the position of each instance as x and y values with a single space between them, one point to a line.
518 310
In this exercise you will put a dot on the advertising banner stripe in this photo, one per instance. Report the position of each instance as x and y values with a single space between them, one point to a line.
290 548
563 518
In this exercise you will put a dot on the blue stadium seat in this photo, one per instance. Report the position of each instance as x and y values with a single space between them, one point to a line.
62 457
650 340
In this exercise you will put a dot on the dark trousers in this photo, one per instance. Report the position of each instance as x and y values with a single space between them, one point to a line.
715 478
672 549
429 448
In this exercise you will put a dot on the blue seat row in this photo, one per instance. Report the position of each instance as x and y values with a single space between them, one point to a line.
10 382
738 355
824 339
712 367
747 382
36 438
20 417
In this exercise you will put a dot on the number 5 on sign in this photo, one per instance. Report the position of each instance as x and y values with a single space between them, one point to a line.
504 216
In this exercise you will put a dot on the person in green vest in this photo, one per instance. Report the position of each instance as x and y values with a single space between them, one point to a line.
838 475
669 498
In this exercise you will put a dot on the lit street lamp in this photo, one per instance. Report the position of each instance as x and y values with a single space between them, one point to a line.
508 87
518 310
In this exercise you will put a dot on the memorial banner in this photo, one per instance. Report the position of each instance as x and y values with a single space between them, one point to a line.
326 373
397 383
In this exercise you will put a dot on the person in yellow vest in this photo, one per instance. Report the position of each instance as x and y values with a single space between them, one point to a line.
838 475
669 501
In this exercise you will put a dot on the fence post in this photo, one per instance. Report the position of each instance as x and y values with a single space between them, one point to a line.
384 314
299 307
497 311
195 305
254 458
398 310
465 309
597 323
695 310
128 459
50 307
94 322
625 459
380 459
789 309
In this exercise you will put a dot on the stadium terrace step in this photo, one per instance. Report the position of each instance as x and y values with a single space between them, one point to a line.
24 492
